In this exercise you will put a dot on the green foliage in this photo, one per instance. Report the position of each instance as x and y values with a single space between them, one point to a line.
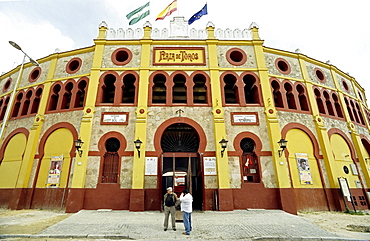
351 212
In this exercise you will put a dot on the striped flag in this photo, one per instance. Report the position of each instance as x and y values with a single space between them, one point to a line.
168 10
141 12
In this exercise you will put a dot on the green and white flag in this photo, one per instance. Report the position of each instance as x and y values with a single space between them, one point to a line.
141 12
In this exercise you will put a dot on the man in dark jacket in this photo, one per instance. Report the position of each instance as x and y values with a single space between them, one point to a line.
169 201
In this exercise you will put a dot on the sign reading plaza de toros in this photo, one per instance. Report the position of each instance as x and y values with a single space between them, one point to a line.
179 56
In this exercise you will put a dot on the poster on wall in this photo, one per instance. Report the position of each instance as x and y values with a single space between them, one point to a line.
151 166
304 168
209 165
55 170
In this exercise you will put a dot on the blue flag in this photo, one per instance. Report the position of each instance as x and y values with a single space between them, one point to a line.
198 15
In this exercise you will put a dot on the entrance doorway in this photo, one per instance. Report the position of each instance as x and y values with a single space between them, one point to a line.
181 166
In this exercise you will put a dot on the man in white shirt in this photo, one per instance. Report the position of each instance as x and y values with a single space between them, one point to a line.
187 208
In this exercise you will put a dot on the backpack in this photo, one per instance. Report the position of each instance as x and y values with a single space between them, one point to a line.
169 202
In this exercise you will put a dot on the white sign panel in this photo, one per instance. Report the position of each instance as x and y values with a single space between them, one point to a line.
209 166
151 166
245 118
114 118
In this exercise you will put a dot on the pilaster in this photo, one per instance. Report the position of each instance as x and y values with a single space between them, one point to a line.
322 134
85 132
34 136
217 111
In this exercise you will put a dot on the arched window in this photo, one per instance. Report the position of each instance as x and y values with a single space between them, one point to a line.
290 96
360 114
319 102
159 90
199 89
349 109
179 89
108 88
54 98
26 103
17 104
81 93
329 105
1 105
4 107
250 165
67 96
250 89
354 111
110 166
337 105
36 101
276 93
302 97
230 89
128 89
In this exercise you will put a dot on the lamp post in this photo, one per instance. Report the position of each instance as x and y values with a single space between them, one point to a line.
12 97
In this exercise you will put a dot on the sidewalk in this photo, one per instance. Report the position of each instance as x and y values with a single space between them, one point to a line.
235 225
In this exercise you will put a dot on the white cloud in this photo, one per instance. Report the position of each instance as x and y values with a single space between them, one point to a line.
36 39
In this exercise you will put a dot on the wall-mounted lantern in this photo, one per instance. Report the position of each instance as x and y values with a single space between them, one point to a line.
78 145
137 146
282 144
223 143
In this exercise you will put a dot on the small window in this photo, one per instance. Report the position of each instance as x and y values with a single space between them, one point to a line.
320 75
283 66
35 74
345 85
121 56
236 56
73 65
7 85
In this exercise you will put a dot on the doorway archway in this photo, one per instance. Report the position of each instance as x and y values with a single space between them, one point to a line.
181 166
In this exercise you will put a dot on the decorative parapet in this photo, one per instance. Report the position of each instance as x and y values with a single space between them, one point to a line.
178 30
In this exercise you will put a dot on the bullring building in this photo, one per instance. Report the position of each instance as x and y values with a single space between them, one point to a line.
239 124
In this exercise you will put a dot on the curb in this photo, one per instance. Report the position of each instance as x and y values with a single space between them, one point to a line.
61 236
109 236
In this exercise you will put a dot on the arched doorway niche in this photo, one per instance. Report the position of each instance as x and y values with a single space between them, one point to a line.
181 142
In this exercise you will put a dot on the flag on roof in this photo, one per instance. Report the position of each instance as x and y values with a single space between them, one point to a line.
168 10
141 12
198 15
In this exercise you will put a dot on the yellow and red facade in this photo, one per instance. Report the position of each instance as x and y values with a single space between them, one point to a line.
180 98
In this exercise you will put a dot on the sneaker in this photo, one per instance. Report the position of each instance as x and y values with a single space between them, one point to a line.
185 233
174 229
165 229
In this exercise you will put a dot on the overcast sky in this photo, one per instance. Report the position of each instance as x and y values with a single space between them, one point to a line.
335 30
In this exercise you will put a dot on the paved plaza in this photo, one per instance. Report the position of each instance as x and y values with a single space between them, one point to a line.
234 225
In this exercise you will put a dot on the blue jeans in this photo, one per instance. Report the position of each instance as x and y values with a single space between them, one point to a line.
187 221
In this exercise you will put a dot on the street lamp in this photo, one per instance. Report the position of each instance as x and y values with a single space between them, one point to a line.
12 97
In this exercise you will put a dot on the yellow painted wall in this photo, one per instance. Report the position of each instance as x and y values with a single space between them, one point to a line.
10 166
342 156
299 142
55 147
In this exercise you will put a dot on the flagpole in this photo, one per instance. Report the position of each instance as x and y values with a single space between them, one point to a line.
207 12
178 8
